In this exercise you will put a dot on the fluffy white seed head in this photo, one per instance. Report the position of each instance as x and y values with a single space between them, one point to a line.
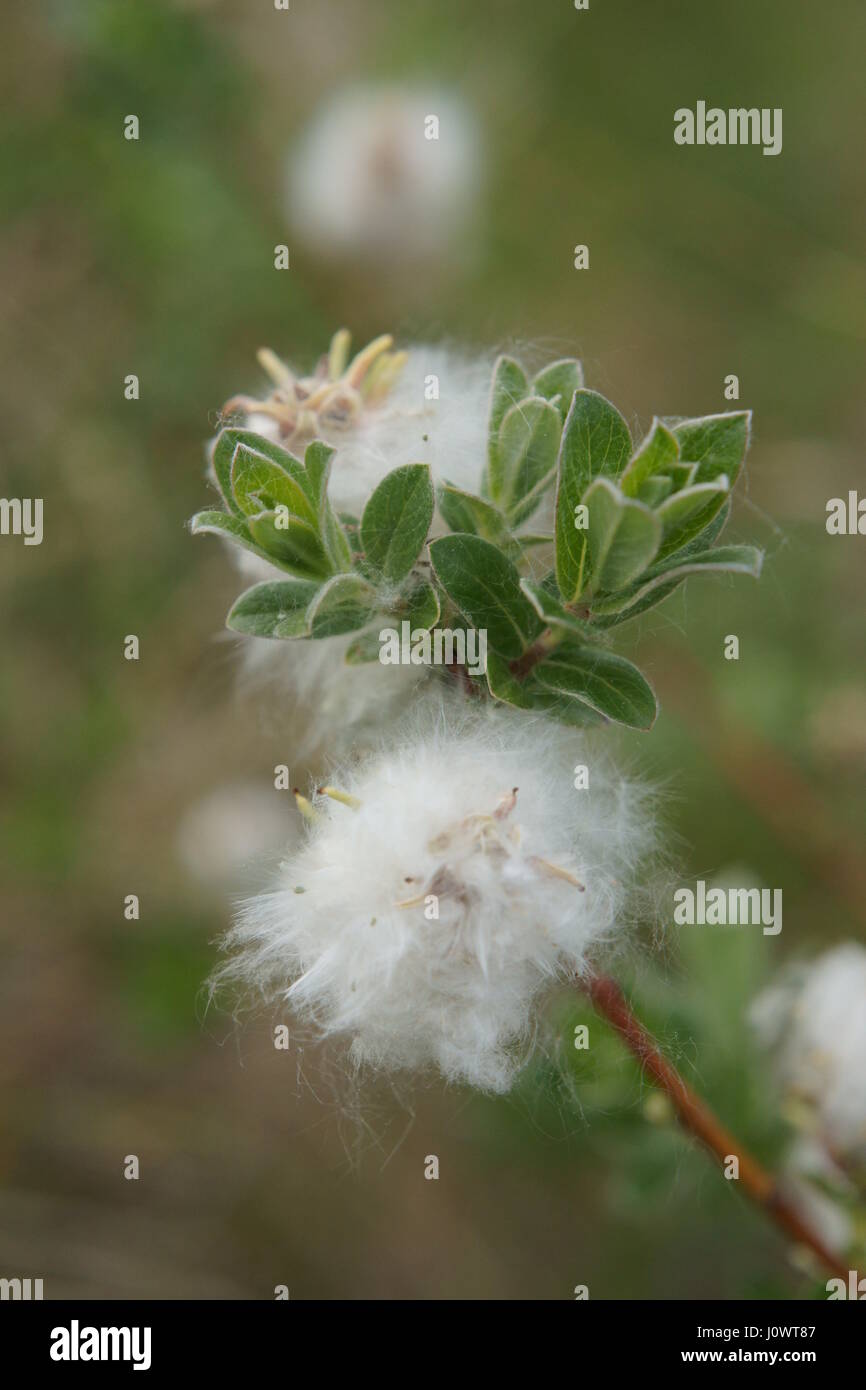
373 178
423 926
814 1022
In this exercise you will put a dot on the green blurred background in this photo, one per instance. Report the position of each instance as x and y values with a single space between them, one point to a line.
156 257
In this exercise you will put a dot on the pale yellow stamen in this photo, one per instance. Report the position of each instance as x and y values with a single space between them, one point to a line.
305 807
362 363
555 871
382 375
412 902
337 795
276 369
338 354
335 393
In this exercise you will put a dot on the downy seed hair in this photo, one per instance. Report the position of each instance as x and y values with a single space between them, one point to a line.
456 877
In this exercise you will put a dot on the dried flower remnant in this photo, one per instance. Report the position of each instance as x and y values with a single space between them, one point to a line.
333 398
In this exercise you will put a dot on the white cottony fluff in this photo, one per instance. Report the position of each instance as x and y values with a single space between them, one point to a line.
386 173
435 413
474 815
814 1021
318 698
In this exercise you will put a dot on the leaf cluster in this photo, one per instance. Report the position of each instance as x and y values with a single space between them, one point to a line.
625 526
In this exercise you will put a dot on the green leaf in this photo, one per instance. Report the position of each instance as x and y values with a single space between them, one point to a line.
317 473
682 475
259 484
463 511
656 454
221 462
522 510
420 606
738 559
364 649
657 593
334 538
396 521
224 451
707 537
223 524
623 535
503 685
313 477
528 441
530 695
681 533
558 382
716 443
651 599
566 710
485 585
531 540
293 544
595 443
730 559
607 683
676 511
347 602
317 464
655 490
551 611
509 385
275 608
351 527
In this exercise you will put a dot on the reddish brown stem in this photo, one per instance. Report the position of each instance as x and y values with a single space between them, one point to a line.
522 665
467 685
696 1117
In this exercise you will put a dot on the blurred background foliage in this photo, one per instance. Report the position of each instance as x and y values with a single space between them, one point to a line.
156 257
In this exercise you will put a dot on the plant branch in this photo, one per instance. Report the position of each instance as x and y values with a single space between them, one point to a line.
542 647
696 1117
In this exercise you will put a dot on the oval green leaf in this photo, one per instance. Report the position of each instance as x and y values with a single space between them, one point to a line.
485 585
396 521
608 684
595 443
623 535
275 608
